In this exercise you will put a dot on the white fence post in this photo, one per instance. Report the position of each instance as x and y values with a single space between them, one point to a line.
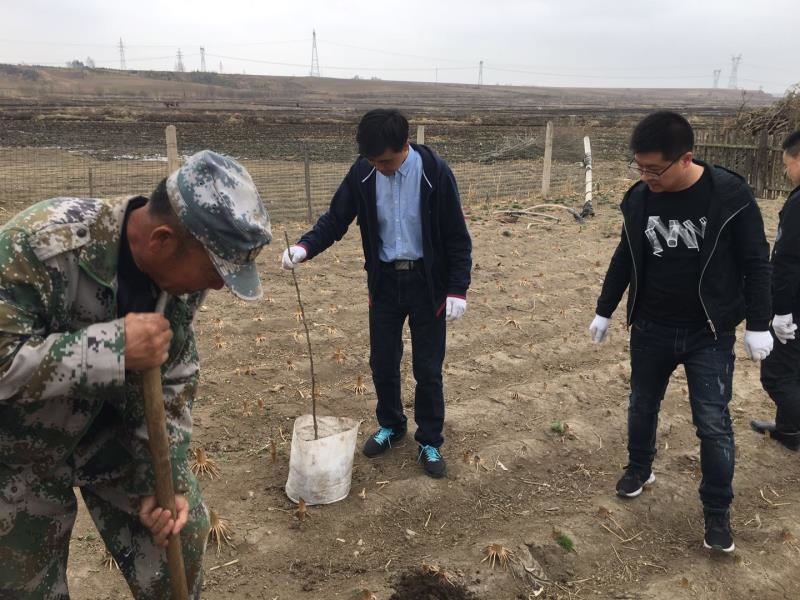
587 164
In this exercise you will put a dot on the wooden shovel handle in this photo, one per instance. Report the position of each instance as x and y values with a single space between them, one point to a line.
165 494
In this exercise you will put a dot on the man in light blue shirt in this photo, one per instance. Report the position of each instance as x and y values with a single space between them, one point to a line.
418 257
397 198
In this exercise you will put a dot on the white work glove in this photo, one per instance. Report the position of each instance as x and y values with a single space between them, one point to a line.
456 307
599 329
298 255
783 327
757 344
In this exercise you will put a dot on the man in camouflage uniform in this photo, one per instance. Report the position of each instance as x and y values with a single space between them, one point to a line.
79 280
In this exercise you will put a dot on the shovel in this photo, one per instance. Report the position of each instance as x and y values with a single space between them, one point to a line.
159 447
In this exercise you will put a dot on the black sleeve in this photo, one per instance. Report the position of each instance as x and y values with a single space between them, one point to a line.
617 278
752 252
332 226
457 242
786 258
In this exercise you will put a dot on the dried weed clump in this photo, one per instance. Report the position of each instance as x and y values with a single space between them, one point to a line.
497 554
204 466
220 532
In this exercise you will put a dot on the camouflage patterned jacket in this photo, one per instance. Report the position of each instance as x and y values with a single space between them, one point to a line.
64 391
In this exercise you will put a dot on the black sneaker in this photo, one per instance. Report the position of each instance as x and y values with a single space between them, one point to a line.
381 441
718 532
432 461
788 440
633 482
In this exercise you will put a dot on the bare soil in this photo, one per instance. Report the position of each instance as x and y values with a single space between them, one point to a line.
535 441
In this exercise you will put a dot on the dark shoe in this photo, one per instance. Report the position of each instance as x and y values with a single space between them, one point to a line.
789 440
381 441
633 482
432 461
718 532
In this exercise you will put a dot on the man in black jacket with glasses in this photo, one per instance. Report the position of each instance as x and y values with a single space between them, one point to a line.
695 261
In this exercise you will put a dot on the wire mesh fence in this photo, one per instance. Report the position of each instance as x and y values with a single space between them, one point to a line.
295 187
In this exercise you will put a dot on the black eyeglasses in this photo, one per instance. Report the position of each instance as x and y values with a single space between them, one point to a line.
639 171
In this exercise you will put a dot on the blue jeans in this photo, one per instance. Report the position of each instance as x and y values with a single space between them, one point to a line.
400 295
656 351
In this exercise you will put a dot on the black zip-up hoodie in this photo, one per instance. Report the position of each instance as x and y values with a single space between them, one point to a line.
786 258
446 244
735 275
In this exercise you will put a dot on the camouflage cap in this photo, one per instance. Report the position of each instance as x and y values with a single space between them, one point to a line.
216 199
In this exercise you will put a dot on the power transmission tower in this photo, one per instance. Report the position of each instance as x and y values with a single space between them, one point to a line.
716 77
480 73
314 56
733 81
220 66
121 55
202 59
179 62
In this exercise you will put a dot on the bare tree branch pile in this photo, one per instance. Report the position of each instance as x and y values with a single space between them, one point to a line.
780 118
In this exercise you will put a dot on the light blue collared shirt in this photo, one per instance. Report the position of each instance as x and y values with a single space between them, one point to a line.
398 203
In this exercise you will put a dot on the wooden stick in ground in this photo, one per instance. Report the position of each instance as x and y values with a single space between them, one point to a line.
308 341
159 447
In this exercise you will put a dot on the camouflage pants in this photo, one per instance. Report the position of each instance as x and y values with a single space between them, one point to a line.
37 513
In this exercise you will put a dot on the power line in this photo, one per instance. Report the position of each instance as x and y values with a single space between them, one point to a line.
106 45
338 68
582 76
386 52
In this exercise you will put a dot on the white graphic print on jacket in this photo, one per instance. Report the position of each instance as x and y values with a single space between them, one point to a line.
686 231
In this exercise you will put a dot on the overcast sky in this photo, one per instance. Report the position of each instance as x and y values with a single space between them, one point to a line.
586 43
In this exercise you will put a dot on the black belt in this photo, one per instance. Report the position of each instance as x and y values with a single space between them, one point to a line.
402 265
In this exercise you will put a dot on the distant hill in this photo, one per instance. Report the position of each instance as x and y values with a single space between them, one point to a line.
28 87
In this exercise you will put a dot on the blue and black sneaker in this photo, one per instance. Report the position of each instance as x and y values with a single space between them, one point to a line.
381 441
432 461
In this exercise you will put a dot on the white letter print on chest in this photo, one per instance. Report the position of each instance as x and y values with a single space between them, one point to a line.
687 231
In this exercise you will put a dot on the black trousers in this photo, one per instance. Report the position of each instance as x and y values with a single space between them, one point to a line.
780 376
400 295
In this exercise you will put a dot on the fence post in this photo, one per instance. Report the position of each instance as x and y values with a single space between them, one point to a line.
761 164
420 134
548 159
173 160
588 209
307 169
91 182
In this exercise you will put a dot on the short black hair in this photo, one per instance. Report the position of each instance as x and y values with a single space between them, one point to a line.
381 129
159 201
663 131
159 206
791 145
